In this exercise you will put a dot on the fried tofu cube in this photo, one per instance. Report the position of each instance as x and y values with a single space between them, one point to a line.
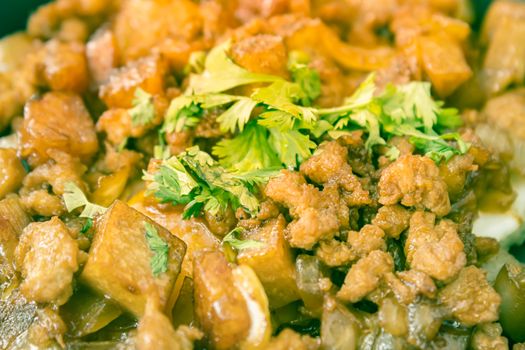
119 260
65 66
444 63
57 121
11 171
219 305
146 73
272 262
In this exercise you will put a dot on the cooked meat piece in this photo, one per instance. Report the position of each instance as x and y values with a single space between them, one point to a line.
11 171
434 249
12 210
52 175
470 298
71 129
147 73
369 238
273 262
333 82
290 340
393 219
119 261
365 275
221 223
219 306
155 331
102 55
261 53
317 214
488 337
8 243
330 164
407 285
335 253
64 67
414 181
141 25
46 329
47 258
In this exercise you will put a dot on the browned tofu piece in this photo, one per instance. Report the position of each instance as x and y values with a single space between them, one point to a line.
119 259
102 55
65 66
272 262
57 121
146 73
261 53
219 306
141 25
444 63
11 171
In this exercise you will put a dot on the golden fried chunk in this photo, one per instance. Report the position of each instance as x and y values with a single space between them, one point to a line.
272 262
444 63
261 53
146 73
368 239
470 298
407 285
11 171
12 210
365 275
141 25
47 258
318 215
219 306
43 187
414 181
102 55
435 249
488 337
330 164
65 66
155 331
393 219
119 262
335 253
290 340
71 129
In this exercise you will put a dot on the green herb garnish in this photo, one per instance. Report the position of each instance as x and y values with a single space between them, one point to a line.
88 224
159 248
74 198
233 240
143 111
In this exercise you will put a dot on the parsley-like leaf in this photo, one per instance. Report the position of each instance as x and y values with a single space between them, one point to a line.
233 240
74 198
291 146
247 151
222 74
308 79
143 111
159 248
237 115
195 179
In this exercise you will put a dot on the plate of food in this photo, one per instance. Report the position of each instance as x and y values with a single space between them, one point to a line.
280 174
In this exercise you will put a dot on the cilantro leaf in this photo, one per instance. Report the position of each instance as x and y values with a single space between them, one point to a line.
233 240
291 146
222 74
195 179
159 248
247 151
393 153
74 198
143 111
237 115
87 226
308 79
182 113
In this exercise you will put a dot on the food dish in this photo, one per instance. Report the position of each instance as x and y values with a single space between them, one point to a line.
263 175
